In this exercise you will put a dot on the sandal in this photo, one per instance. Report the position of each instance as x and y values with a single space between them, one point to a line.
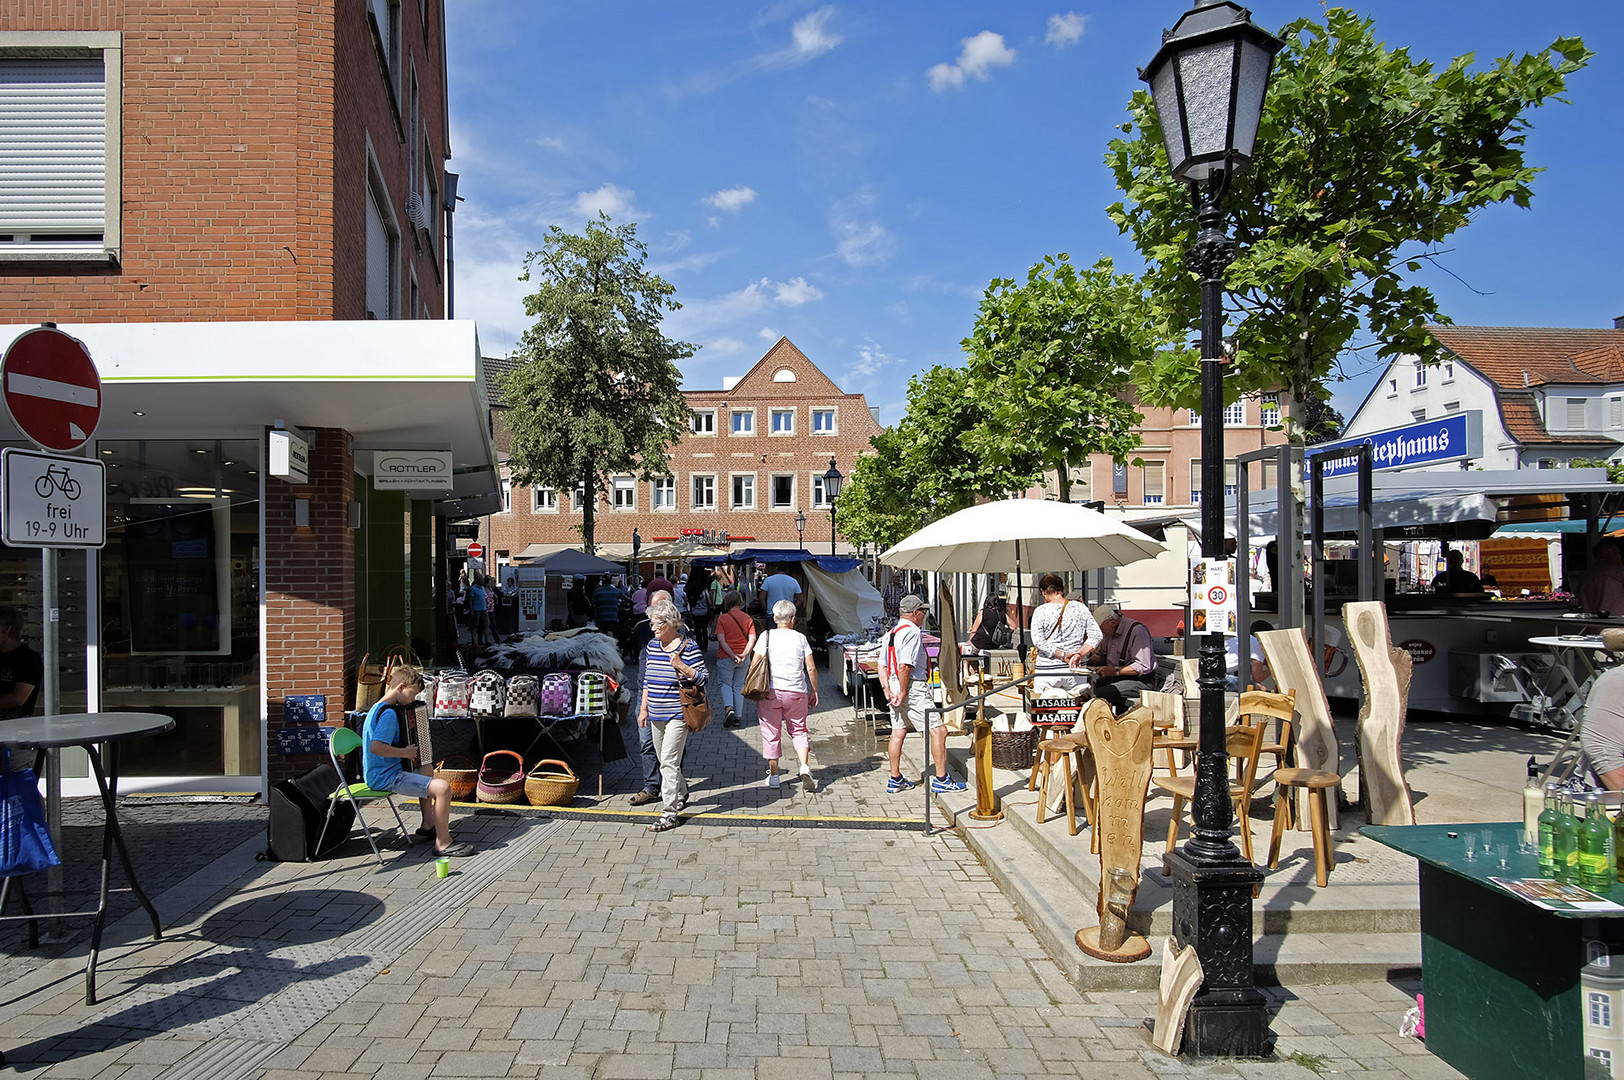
455 851
666 823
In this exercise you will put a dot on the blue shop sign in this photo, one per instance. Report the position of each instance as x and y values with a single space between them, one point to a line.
1453 438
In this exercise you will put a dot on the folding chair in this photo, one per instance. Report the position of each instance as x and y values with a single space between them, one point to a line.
344 741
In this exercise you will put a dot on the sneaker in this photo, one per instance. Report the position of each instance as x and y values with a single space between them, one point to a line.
773 780
730 719
807 783
898 783
947 783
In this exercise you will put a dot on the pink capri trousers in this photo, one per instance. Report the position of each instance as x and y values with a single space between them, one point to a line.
781 708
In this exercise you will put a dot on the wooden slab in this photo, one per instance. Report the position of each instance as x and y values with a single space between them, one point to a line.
1121 751
1293 668
949 661
1381 714
1181 978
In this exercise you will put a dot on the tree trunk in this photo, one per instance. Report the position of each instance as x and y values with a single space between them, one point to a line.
589 512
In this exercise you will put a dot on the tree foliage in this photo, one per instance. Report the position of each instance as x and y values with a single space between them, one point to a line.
1049 366
1367 161
596 389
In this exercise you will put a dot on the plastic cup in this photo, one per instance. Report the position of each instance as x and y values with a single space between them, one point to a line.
442 867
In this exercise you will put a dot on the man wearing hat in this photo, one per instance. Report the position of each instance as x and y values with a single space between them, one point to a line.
1125 661
1601 731
905 672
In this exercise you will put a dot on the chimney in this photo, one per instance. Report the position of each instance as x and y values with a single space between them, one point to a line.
1618 322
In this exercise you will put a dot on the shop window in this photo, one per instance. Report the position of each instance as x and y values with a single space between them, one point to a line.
664 493
784 491
783 421
1269 415
704 489
702 421
543 500
59 113
1235 415
823 422
744 492
623 493
744 421
1155 477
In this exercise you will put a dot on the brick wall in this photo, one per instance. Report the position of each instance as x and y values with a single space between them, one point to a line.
310 590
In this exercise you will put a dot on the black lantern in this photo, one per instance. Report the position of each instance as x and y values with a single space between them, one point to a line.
1208 80
831 491
800 529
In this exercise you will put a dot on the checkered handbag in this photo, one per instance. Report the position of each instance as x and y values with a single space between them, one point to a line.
451 695
487 695
523 696
591 693
557 695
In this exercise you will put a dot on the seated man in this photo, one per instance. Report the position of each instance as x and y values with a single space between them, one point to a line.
381 759
1259 670
1601 730
1125 662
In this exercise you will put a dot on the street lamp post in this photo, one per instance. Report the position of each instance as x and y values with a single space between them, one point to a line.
831 491
800 529
1208 81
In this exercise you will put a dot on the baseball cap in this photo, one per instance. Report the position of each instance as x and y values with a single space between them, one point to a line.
911 603
1108 610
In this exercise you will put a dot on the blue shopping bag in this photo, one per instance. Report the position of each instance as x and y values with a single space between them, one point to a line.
25 842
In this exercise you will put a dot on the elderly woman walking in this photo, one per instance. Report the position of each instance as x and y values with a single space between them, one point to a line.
670 659
793 694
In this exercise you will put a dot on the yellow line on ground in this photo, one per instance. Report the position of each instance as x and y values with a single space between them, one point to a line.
712 814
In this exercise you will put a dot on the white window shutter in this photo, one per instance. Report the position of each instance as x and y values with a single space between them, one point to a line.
53 146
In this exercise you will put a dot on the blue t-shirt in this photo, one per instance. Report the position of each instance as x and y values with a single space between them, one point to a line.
779 587
476 598
383 724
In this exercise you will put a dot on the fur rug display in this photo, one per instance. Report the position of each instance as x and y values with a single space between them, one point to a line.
539 653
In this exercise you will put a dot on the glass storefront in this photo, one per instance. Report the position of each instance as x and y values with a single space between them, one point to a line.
179 608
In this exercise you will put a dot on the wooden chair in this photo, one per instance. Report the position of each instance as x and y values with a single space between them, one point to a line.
1318 785
1244 743
1259 707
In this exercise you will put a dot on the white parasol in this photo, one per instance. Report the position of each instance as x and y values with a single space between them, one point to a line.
1054 535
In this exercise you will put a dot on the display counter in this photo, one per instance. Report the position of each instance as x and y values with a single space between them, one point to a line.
1512 989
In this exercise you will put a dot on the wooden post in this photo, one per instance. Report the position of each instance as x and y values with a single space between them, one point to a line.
1121 751
1386 674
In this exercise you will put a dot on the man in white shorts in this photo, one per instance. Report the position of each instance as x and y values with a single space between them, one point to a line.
905 669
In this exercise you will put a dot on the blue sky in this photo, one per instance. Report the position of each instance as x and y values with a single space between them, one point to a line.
853 175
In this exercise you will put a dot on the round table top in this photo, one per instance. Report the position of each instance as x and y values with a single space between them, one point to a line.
79 729
1570 641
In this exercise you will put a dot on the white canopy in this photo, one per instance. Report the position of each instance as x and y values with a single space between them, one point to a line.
1053 535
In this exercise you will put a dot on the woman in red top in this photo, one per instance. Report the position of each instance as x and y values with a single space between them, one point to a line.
735 638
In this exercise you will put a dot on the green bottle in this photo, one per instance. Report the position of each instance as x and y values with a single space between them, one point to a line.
1547 831
1566 837
1618 844
1595 873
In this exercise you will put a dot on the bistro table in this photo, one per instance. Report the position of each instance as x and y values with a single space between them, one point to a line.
1512 989
90 731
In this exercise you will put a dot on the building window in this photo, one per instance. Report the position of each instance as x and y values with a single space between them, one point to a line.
580 498
1547 463
1601 1010
60 109
623 493
783 374
664 493
383 247
1615 412
784 491
819 502
704 492
1235 415
1195 418
1231 484
543 500
1451 407
1604 1058
1418 415
744 421
1195 481
1154 479
384 15
507 495
1392 387
744 491
1269 415
1577 420
823 421
1420 375
1448 370
702 421
783 421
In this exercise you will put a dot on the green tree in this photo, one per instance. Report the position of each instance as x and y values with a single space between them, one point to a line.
1367 162
1050 362
596 389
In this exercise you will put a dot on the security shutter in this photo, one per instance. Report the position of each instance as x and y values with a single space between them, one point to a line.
53 147
1577 420
379 271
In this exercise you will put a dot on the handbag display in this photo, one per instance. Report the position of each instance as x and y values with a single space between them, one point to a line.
557 695
368 684
25 842
487 695
591 693
451 695
696 710
523 696
758 681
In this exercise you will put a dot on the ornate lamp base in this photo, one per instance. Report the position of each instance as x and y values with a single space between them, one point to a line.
1212 910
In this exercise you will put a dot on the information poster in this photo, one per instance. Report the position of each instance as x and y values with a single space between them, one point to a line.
1212 596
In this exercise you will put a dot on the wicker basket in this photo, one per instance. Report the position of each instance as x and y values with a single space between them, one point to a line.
500 782
460 773
1014 749
550 787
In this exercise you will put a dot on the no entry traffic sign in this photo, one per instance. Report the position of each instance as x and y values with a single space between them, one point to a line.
475 550
52 389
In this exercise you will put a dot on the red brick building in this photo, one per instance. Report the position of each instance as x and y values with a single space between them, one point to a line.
751 463
172 172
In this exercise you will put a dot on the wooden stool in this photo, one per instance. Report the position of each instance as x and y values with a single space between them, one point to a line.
1318 784
1063 749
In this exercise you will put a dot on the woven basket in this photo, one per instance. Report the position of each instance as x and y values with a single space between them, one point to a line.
1014 749
500 782
550 787
460 773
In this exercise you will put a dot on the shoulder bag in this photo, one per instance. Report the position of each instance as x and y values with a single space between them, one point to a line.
759 681
696 710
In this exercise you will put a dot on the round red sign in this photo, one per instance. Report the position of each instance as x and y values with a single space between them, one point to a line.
476 550
1218 595
52 389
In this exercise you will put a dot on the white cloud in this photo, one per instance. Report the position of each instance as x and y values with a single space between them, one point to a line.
810 37
768 334
731 199
697 261
977 58
871 358
1064 30
609 199
812 34
797 291
861 242
551 142
724 346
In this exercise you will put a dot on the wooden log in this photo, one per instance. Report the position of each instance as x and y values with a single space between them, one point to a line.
1293 668
1386 675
